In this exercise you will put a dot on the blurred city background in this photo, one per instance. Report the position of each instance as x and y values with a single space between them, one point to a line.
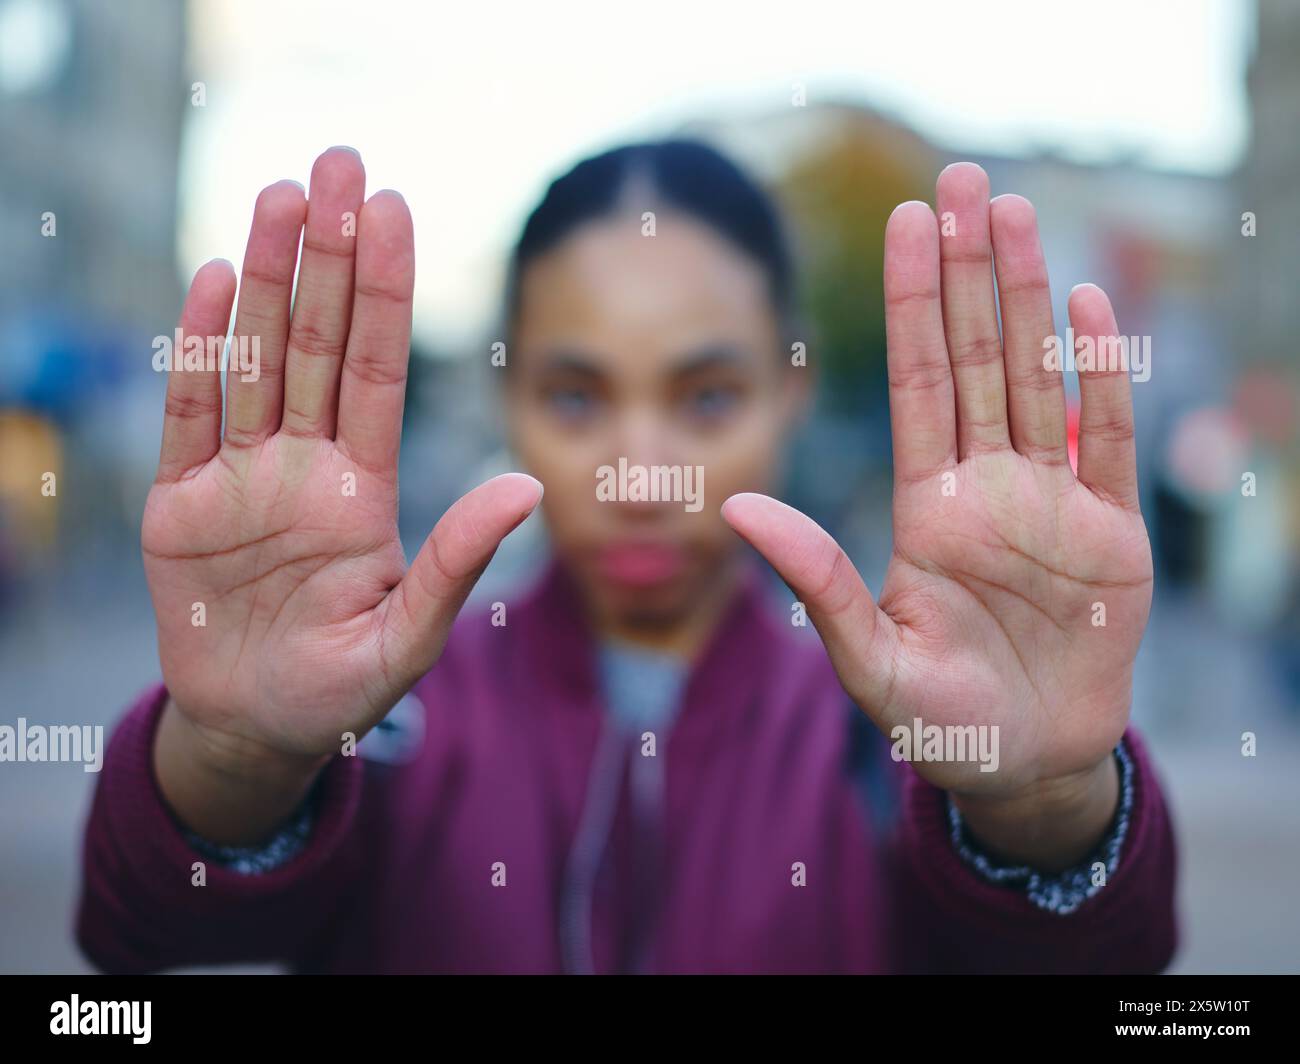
1160 143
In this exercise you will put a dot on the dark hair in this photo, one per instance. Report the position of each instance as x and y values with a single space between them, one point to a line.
687 175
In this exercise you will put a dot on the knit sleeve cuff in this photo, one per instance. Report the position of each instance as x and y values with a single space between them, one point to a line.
163 851
1064 892
282 847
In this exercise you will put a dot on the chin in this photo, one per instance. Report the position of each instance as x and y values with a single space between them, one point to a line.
651 606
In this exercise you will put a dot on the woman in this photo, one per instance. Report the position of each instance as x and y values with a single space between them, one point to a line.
633 766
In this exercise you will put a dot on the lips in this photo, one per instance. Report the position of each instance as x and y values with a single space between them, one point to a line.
640 564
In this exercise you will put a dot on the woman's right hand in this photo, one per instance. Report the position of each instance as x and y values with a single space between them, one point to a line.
287 617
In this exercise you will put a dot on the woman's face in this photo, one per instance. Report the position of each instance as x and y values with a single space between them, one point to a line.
647 351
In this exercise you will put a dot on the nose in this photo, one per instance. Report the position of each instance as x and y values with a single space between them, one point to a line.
644 438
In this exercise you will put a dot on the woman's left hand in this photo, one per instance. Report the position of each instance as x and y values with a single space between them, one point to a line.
1017 592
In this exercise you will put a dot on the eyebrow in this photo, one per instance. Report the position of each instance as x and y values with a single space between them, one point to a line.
568 360
713 356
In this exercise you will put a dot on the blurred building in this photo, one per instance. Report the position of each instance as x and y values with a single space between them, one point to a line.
93 136
1263 581
92 99
1268 274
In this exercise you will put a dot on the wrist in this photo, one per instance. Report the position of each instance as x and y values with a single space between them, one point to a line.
228 789
227 754
1050 825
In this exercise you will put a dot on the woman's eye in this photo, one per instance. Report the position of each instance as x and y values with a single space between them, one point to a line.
571 404
711 403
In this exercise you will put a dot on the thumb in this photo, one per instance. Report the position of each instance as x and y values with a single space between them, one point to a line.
419 612
858 636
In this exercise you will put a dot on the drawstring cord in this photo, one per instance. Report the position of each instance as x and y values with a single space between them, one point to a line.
595 823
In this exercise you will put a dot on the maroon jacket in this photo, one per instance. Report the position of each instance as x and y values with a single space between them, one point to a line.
469 856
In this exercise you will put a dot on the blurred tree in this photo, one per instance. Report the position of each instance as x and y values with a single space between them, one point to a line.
838 195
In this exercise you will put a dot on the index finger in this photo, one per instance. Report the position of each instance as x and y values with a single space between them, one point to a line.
922 410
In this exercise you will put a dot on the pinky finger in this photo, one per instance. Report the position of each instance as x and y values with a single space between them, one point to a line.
192 416
1107 451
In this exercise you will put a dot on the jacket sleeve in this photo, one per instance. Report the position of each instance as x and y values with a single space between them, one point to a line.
142 908
953 919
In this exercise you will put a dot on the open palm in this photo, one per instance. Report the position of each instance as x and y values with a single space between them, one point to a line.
1017 593
286 613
